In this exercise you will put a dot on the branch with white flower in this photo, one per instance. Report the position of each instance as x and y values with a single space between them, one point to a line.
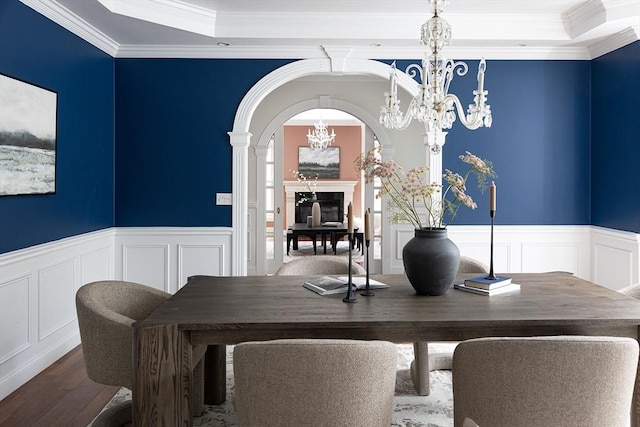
310 185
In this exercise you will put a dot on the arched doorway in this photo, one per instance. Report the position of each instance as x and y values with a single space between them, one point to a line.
240 137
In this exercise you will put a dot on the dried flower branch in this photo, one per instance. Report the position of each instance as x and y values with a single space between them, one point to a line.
311 185
408 193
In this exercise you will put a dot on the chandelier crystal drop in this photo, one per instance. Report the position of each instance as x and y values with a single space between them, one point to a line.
434 105
320 138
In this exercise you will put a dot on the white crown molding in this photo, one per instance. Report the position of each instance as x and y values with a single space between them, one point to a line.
171 13
614 42
584 17
75 24
317 52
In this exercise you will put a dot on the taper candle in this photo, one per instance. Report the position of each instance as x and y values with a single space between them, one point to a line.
350 219
367 226
492 197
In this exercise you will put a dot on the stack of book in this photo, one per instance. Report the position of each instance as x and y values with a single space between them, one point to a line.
484 286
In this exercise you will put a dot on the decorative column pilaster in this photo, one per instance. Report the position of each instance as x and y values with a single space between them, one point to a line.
240 195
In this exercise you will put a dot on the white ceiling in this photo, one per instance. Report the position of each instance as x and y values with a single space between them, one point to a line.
370 29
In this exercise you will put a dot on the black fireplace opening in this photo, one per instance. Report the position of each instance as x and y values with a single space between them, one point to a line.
331 206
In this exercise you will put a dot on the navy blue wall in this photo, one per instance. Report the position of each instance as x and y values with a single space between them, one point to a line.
34 49
539 142
616 139
172 149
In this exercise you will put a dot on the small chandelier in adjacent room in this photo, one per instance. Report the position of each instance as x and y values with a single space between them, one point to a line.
433 105
320 137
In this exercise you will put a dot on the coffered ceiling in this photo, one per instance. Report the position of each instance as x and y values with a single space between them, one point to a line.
371 29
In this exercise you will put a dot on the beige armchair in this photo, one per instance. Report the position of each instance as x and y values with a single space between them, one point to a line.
321 264
632 291
544 381
309 382
106 312
425 359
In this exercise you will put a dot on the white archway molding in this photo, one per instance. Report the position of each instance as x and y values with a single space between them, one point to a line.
263 140
240 138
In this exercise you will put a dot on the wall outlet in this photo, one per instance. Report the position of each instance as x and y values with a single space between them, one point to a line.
224 199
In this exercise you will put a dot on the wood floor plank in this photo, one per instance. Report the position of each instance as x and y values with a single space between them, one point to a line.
61 395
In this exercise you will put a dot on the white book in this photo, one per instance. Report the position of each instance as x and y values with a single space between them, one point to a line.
328 285
497 291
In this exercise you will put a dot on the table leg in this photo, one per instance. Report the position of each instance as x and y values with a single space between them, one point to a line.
295 242
215 374
314 238
324 241
161 377
420 368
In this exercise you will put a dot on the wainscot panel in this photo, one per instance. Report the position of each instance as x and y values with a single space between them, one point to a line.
615 257
164 257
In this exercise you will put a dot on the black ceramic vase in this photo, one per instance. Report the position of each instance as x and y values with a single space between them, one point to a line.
431 261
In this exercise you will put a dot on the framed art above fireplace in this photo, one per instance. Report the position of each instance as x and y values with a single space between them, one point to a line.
323 163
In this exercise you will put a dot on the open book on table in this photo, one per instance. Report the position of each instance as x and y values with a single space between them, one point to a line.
328 285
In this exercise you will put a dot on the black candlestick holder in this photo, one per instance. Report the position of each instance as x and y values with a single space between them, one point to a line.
367 292
350 298
491 275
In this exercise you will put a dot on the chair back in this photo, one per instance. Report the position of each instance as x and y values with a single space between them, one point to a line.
319 264
305 382
632 291
470 265
106 312
545 381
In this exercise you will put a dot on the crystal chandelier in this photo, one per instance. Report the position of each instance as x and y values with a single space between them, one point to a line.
320 137
434 105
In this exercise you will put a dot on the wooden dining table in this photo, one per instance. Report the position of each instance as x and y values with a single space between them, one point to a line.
220 311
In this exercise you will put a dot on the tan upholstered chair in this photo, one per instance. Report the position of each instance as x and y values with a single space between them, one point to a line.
307 382
429 359
632 291
319 264
544 381
106 312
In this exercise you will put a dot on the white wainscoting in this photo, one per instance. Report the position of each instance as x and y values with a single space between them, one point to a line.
38 284
615 257
516 249
37 301
165 257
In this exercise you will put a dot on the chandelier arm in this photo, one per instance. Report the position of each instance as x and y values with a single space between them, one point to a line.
469 124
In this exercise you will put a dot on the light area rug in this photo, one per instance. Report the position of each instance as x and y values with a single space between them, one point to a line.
410 410
305 248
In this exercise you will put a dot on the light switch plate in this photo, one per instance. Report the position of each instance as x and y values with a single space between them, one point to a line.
224 199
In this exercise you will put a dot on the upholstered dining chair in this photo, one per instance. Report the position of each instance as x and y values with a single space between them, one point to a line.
435 358
632 291
544 381
305 382
319 264
106 312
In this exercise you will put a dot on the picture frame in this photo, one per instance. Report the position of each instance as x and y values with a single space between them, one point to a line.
28 138
321 162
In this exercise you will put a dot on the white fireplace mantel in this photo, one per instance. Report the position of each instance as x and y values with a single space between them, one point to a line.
293 187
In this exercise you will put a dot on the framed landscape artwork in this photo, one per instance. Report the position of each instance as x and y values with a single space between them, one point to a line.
28 132
320 162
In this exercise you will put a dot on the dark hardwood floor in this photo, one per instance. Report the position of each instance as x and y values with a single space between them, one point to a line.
61 395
